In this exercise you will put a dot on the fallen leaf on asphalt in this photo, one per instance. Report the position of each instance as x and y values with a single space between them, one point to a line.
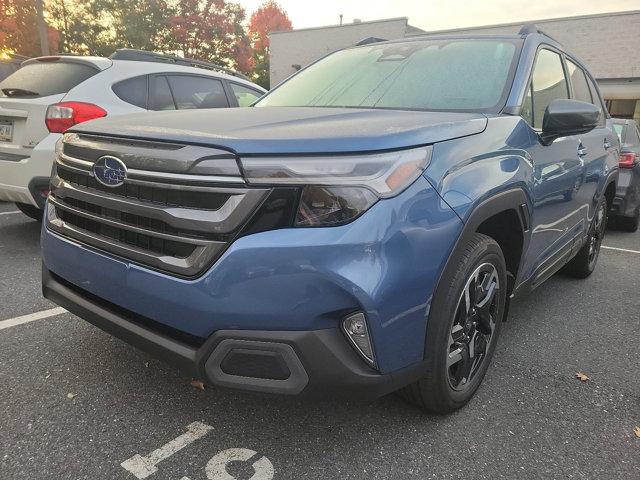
197 383
582 377
637 431
71 396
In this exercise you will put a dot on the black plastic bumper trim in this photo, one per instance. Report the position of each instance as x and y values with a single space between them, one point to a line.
292 385
35 186
321 361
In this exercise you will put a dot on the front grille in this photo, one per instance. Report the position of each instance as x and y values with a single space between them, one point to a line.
152 244
166 195
174 222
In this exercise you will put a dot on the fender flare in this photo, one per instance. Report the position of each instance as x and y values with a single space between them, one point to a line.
512 199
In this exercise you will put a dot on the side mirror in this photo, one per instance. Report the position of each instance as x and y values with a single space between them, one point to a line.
568 117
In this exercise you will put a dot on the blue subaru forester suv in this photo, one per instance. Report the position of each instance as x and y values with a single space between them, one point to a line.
360 230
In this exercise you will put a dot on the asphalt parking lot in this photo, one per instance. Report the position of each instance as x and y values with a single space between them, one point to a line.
77 403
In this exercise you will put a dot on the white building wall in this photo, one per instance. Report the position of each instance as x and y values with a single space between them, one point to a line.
608 43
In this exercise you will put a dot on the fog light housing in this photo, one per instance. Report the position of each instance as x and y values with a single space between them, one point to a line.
356 330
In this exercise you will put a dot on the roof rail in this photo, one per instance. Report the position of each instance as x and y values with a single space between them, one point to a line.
370 40
144 56
529 28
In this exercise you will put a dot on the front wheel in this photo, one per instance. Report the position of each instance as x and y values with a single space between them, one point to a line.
463 327
584 263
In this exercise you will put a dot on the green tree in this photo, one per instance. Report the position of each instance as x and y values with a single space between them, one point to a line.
142 24
80 26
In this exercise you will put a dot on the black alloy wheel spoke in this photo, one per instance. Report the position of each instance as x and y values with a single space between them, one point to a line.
473 325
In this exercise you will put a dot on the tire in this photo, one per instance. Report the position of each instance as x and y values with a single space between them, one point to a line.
443 388
30 211
584 263
629 224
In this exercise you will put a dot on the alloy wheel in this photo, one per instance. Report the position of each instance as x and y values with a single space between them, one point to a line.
596 233
473 327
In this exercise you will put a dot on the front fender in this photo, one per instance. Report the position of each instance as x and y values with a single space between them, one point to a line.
468 171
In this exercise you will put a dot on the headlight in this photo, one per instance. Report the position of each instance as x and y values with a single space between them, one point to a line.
338 189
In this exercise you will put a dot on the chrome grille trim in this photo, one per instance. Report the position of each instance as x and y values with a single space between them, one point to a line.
108 221
189 266
149 175
181 177
171 221
224 220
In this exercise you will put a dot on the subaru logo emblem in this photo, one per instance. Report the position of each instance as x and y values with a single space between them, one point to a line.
110 171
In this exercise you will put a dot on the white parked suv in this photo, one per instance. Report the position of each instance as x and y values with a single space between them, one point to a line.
47 95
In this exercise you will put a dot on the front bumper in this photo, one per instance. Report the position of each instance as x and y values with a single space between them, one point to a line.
385 264
22 178
314 363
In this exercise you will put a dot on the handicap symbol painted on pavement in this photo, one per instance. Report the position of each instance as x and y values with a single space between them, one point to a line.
216 467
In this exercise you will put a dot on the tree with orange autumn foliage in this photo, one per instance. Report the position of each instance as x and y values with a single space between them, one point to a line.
19 28
269 17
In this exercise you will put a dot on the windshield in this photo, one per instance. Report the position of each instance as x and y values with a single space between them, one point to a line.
458 75
41 79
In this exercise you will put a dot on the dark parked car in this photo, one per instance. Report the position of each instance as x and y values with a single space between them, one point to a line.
625 210
360 230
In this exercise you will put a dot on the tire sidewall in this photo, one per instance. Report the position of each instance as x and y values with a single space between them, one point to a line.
442 312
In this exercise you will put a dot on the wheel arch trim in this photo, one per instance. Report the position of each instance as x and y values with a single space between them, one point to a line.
512 199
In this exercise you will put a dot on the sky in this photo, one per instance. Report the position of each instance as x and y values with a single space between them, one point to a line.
440 14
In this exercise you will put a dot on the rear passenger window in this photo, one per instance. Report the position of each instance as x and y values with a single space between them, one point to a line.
133 91
548 83
197 92
579 82
160 97
245 96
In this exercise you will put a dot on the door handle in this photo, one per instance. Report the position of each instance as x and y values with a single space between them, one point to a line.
607 144
582 151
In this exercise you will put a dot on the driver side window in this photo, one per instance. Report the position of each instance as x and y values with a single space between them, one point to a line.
548 83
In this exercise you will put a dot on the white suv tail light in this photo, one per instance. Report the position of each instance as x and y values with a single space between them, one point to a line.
62 116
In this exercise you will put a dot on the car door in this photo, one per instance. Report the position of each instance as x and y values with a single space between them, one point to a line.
195 91
595 145
172 91
558 215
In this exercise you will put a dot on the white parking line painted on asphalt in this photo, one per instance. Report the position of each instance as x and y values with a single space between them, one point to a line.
616 249
142 467
12 212
12 322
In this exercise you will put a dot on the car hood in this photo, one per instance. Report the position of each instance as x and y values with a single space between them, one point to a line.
288 130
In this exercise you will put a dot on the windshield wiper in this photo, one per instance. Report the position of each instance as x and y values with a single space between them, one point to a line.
19 92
